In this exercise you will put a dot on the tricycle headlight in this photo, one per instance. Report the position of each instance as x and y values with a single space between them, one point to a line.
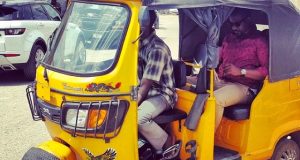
93 119
71 117
86 118
96 118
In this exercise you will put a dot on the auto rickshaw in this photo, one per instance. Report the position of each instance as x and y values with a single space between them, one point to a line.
86 87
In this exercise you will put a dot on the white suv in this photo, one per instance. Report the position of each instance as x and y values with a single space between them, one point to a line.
25 28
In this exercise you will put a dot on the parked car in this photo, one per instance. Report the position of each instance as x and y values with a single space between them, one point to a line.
59 5
173 11
25 28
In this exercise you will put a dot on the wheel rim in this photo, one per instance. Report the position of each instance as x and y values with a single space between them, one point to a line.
39 55
289 155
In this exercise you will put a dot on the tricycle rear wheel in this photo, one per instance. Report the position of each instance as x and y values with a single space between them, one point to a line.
286 149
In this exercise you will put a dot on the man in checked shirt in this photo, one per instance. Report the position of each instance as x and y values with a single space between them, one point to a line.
156 88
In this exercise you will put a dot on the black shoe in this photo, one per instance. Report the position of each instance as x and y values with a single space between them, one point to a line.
172 152
159 156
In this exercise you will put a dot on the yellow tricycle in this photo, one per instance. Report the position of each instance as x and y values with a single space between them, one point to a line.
86 86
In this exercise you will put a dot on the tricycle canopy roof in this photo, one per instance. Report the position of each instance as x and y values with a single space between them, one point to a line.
164 4
283 18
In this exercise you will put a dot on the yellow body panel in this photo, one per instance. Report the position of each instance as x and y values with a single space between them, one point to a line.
58 150
274 115
204 134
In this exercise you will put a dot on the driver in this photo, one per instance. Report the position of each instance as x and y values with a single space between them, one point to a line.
156 86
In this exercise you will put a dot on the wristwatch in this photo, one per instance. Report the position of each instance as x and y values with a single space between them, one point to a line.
243 72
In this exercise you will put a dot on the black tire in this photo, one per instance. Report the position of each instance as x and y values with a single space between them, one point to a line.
30 68
38 154
286 149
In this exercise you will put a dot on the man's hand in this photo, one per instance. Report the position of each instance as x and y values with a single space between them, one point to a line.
143 90
231 70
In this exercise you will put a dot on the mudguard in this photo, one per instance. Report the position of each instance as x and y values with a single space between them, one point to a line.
50 150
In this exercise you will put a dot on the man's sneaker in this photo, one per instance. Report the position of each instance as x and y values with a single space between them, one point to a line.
172 152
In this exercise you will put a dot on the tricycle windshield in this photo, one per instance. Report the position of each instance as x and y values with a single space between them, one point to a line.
91 38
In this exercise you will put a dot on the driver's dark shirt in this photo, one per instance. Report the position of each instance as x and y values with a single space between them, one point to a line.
248 53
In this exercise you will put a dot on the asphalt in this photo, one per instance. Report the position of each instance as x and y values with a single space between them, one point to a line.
18 131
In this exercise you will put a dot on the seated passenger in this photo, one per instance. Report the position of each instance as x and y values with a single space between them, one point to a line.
156 89
243 63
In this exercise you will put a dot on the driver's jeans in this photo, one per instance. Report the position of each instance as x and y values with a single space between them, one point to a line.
228 94
149 109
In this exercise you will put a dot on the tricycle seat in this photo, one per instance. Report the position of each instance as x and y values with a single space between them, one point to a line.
170 116
237 112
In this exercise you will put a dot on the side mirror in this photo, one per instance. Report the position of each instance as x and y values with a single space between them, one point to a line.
144 18
50 40
57 18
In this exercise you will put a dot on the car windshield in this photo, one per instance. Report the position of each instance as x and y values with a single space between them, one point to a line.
91 38
9 13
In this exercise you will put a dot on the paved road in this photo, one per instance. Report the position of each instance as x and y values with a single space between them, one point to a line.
18 132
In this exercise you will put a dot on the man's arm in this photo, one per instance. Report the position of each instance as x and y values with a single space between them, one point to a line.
145 85
259 73
255 74
152 72
232 70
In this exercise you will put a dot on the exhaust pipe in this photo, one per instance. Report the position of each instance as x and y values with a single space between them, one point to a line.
8 67
5 65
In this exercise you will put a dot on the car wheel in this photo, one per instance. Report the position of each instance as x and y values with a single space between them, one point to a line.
36 55
286 149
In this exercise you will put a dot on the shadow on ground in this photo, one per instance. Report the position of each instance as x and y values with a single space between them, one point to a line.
13 78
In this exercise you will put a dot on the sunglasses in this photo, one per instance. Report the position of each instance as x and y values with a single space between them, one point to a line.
238 24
